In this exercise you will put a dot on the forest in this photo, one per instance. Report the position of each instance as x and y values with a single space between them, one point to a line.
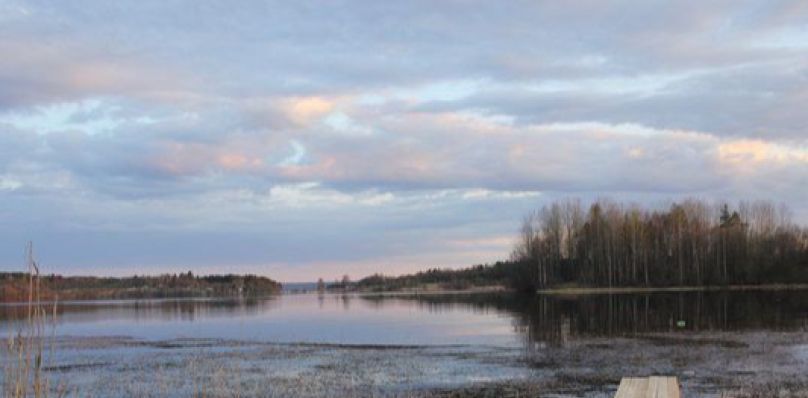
499 273
689 243
14 286
611 244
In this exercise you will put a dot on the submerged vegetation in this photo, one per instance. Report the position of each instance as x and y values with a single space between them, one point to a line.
691 243
13 286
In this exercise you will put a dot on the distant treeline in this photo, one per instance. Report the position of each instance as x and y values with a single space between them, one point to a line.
14 286
499 273
609 244
691 243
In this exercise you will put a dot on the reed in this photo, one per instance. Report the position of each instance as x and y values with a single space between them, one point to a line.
23 374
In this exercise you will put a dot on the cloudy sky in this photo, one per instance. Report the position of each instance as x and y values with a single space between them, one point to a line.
300 139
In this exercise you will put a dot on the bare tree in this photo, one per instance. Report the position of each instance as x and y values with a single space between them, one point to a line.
690 243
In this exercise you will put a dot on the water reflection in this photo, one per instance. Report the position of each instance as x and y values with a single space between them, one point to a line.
555 319
166 310
490 319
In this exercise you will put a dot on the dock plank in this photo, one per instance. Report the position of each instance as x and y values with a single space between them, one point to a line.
648 387
631 387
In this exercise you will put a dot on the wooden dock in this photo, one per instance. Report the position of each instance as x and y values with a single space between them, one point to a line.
648 387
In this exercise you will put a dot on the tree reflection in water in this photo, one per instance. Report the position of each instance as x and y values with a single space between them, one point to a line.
555 319
164 309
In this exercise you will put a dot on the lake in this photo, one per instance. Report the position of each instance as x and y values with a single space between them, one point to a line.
465 339
489 319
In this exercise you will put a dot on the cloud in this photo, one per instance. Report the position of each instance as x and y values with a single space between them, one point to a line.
9 184
379 132
58 70
757 153
304 110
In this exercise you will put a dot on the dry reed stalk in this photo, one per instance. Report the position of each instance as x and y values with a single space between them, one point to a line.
23 376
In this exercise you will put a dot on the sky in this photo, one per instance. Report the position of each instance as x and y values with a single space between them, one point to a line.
306 139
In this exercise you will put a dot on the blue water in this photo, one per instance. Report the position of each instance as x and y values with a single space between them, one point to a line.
307 318
472 319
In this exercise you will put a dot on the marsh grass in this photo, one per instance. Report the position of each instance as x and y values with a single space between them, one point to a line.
23 369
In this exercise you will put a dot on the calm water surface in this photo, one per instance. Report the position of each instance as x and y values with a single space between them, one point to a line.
473 319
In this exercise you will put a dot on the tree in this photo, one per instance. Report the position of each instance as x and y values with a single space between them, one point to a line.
689 243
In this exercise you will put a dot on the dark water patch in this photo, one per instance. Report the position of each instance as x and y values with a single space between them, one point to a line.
371 346
580 378
679 340
75 367
543 363
601 346
492 390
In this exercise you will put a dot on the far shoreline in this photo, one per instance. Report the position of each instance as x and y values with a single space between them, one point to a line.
431 291
672 289
576 291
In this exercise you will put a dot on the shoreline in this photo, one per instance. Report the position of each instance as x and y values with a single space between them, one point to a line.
669 289
561 291
574 291
407 292
102 300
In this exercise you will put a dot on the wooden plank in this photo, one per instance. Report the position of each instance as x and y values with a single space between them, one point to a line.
632 387
648 387
656 387
663 387
673 388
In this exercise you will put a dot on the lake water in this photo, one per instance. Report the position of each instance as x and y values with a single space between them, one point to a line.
311 345
446 319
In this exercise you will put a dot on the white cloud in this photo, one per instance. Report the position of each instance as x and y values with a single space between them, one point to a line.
312 194
297 156
9 184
